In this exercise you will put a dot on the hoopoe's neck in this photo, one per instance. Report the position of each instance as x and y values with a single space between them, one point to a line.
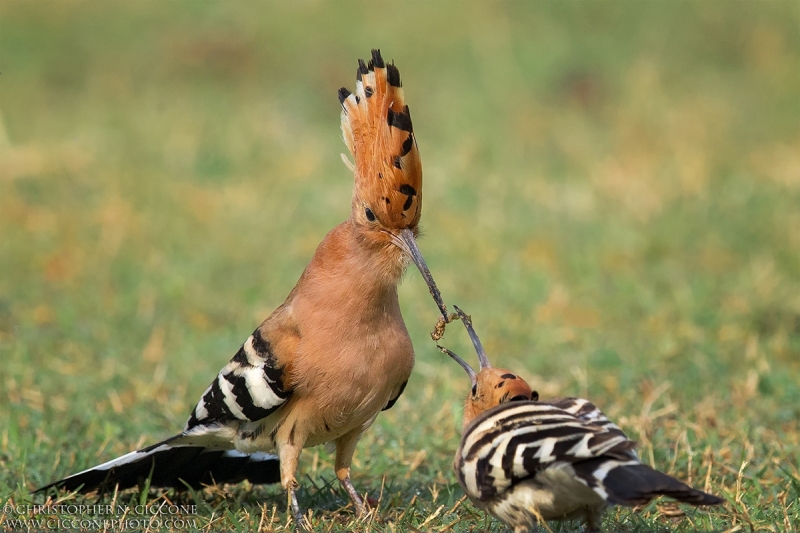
363 253
471 411
353 267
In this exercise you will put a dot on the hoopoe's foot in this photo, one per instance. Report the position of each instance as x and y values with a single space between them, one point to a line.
301 522
358 503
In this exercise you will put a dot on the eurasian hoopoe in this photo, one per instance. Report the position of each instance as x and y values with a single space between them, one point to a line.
335 353
526 461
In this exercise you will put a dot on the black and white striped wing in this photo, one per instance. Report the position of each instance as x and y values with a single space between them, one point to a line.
249 388
586 411
515 441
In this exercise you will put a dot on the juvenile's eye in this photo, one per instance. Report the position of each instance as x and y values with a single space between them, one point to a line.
370 215
474 390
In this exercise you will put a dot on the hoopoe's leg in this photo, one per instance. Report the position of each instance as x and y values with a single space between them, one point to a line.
594 518
289 454
345 447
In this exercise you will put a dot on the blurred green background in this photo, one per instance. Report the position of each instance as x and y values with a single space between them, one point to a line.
612 190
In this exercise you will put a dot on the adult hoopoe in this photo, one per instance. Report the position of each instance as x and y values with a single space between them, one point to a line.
526 461
336 353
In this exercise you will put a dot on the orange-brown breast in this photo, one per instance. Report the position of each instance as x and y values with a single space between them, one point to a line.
354 351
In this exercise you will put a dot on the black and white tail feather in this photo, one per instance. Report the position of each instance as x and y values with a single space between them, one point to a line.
238 402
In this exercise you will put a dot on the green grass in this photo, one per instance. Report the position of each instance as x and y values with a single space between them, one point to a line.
612 190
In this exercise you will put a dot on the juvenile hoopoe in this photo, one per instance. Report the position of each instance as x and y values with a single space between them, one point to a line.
336 353
527 461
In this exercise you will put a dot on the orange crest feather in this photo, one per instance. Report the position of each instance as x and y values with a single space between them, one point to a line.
377 129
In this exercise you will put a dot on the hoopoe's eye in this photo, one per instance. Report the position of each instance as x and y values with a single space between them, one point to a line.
370 215
475 389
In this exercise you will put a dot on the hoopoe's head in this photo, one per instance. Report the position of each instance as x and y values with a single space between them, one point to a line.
491 386
387 196
376 124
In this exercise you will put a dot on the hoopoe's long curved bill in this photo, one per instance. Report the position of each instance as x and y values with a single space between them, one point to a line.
406 241
476 342
473 377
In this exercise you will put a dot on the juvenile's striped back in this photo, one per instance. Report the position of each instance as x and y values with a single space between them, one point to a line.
514 441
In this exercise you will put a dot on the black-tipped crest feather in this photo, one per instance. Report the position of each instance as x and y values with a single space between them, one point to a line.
377 60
